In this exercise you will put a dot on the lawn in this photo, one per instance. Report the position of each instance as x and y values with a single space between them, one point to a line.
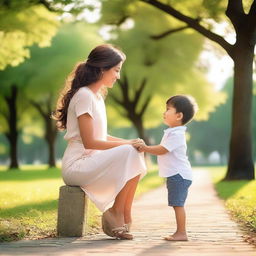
239 196
28 202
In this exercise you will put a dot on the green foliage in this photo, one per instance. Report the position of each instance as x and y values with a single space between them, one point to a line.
168 64
21 28
51 65
115 11
41 77
25 22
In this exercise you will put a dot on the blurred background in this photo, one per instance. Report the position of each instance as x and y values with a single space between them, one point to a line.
41 41
199 47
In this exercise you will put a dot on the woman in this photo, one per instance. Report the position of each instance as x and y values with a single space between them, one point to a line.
106 168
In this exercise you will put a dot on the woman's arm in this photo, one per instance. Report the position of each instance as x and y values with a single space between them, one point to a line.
85 123
112 138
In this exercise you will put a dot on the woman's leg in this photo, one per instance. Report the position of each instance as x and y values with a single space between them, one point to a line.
120 212
129 200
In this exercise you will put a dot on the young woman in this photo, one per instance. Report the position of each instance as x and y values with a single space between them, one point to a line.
106 168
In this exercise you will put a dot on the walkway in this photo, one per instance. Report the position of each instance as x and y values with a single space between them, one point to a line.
210 230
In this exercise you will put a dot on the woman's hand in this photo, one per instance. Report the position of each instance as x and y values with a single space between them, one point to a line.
133 141
139 144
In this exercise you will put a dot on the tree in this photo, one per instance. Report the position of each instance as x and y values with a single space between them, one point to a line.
154 71
22 26
40 78
51 66
200 16
11 96
27 22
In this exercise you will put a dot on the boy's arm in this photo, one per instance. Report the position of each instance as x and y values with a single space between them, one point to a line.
154 150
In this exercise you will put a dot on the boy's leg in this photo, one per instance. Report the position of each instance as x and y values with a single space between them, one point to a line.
177 194
180 215
180 234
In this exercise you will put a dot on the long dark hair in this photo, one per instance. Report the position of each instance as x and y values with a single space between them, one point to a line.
102 57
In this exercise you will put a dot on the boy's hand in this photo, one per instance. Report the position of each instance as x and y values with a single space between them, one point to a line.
139 145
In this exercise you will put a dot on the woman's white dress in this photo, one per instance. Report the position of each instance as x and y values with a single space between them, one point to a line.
100 173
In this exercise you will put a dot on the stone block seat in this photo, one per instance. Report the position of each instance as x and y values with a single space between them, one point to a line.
72 211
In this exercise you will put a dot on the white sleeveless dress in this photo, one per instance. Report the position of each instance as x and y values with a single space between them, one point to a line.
101 174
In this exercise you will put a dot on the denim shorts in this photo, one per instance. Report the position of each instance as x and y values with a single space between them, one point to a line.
177 190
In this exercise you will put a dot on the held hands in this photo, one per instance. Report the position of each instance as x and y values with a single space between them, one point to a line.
139 144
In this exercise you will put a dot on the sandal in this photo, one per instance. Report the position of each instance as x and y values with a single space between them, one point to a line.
119 232
105 227
122 233
128 226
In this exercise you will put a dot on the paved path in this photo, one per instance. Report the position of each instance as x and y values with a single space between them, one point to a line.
210 230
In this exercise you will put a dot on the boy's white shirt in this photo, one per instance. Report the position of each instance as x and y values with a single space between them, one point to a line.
175 161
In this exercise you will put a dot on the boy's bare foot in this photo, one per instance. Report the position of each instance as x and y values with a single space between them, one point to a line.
177 237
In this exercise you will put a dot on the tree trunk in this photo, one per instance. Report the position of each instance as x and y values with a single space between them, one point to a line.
138 123
12 135
240 164
44 109
50 137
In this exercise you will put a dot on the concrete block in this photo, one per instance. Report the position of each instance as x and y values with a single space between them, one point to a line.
72 211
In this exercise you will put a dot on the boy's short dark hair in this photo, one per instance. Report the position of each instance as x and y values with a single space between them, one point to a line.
184 104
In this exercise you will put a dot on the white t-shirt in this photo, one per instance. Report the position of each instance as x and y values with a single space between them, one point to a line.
175 161
86 101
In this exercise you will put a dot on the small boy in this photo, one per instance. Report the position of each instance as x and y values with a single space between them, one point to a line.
172 159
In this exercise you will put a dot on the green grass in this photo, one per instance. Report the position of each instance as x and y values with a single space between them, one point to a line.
239 196
28 203
29 200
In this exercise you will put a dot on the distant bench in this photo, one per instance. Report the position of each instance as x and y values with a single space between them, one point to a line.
72 209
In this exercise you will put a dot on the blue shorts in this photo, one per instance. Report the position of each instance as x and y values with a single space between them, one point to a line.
177 190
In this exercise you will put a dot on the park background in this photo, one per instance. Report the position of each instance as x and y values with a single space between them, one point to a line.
43 40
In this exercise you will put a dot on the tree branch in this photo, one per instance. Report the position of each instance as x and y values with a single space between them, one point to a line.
139 91
235 12
124 89
167 33
192 23
48 6
252 17
145 105
252 11
49 105
39 108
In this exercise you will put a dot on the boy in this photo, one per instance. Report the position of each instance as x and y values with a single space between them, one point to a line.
172 160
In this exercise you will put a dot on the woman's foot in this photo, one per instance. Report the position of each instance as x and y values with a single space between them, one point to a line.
177 236
113 226
114 217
